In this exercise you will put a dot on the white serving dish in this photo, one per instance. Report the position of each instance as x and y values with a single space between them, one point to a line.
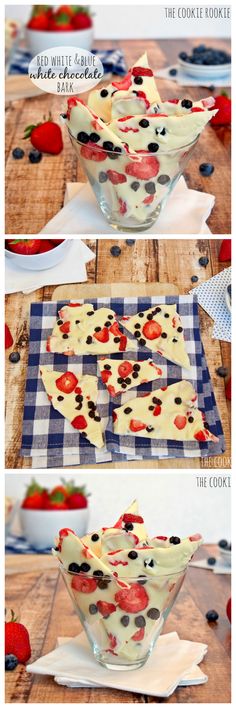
39 40
40 528
205 72
40 261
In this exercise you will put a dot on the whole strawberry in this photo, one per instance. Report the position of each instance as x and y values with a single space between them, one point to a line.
36 497
223 117
39 19
45 137
17 640
82 20
24 246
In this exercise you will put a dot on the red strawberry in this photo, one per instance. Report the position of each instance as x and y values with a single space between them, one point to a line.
45 137
112 391
65 532
148 200
141 71
173 100
132 518
65 328
125 369
132 599
89 152
8 337
105 375
122 206
45 246
61 23
67 382
136 425
105 608
56 241
139 635
65 9
114 416
55 505
123 342
180 422
116 177
228 609
201 436
77 501
197 109
146 168
60 489
152 330
34 501
82 584
74 304
124 84
79 422
223 117
114 329
24 246
103 335
82 21
157 410
225 250
228 390
40 22
17 640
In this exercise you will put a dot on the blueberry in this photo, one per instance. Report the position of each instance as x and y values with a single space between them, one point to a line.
132 555
223 543
125 620
74 568
222 371
93 609
175 540
108 145
212 616
211 561
85 567
153 147
203 261
115 251
183 56
144 123
83 137
194 278
94 137
130 242
138 80
14 357
35 156
11 662
102 177
104 93
135 186
186 103
150 187
173 72
18 153
153 613
206 169
163 179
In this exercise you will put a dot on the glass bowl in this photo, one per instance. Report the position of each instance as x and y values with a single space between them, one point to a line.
131 190
122 617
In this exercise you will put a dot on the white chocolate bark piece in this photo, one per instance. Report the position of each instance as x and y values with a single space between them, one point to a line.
120 375
127 532
160 329
75 398
153 561
165 414
131 520
182 106
83 330
84 123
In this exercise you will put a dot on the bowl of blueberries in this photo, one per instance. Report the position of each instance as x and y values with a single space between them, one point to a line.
205 63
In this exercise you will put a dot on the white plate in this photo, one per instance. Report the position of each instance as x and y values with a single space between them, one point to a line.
203 71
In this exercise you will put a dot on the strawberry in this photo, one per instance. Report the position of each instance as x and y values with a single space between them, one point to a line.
40 22
105 608
33 502
17 640
8 337
141 71
116 177
132 518
223 117
136 425
228 390
180 422
132 599
65 328
67 382
45 246
79 422
145 169
66 9
45 137
157 410
149 199
197 109
123 342
60 23
103 335
114 416
228 609
56 241
173 100
82 584
89 152
65 532
225 250
201 436
124 84
125 369
122 206
52 505
139 635
60 489
114 329
77 500
24 246
152 330
105 375
82 21
112 391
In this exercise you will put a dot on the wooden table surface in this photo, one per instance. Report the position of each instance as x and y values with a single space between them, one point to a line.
172 261
46 610
35 193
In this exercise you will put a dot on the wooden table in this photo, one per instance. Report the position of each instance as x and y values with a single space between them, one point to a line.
151 261
35 193
46 610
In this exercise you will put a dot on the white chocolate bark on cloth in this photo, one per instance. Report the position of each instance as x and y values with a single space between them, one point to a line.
120 375
75 398
82 330
160 329
165 414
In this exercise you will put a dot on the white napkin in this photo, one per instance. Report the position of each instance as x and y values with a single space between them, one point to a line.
211 296
183 79
186 213
72 269
172 663
219 567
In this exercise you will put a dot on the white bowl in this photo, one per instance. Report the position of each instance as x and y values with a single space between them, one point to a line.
202 71
40 261
225 556
40 41
40 528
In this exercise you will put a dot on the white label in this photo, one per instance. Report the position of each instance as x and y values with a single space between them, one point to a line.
65 70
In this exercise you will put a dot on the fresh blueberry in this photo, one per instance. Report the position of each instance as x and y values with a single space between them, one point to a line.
130 241
94 137
222 371
35 156
18 153
83 137
14 357
102 177
173 72
11 662
194 278
206 169
212 616
203 261
183 56
186 103
135 186
223 543
115 251
138 80
104 93
211 561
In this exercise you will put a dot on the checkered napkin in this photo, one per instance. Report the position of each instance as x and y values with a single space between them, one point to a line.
112 60
18 544
50 439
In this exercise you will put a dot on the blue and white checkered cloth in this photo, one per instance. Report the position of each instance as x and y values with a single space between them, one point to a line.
18 544
112 60
50 439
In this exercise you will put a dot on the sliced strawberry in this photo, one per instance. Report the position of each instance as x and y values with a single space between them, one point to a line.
122 206
141 94
113 641
146 168
8 337
116 177
89 152
114 416
157 410
114 329
105 608
105 375
65 328
125 84
148 200
162 538
136 425
123 342
79 422
139 635
65 532
67 382
125 369
180 421
197 109
102 336
173 100
132 599
195 537
48 345
152 330
112 392
82 584
141 71
74 304
201 436
78 389
225 250
133 519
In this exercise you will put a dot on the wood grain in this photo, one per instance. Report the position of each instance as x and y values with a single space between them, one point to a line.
35 193
47 611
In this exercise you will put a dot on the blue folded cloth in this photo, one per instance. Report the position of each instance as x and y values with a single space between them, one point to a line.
112 60
18 544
